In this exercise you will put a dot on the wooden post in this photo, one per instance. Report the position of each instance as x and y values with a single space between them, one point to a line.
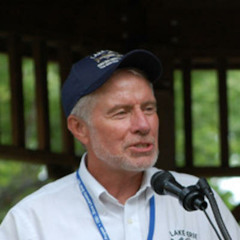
65 62
188 112
165 102
43 129
223 112
17 111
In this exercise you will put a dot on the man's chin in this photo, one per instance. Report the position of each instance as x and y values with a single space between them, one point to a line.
139 165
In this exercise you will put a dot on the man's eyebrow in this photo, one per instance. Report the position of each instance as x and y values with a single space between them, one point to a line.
129 106
148 103
119 106
153 102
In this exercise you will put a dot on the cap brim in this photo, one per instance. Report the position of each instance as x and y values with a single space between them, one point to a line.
144 61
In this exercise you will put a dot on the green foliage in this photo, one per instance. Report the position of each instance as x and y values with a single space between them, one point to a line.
54 106
205 121
17 180
234 116
226 196
5 127
205 114
205 118
179 121
29 103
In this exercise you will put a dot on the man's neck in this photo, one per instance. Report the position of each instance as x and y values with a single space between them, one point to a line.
119 183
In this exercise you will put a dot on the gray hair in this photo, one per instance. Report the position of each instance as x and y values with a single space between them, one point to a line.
85 105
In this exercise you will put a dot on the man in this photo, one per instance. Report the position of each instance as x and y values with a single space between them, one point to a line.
111 109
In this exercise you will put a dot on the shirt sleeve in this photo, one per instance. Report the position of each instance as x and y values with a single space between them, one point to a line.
15 227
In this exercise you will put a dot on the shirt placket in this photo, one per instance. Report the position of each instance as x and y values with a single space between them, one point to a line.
132 221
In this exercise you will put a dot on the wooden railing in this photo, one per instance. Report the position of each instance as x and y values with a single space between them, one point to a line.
38 50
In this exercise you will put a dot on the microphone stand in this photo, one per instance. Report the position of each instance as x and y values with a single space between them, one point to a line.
191 197
206 189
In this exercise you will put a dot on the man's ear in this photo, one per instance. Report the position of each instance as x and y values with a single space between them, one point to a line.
78 128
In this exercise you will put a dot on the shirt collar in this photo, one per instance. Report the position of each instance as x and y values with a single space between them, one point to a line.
146 185
96 189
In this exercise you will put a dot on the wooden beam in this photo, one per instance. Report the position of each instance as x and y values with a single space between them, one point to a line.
187 113
38 156
210 171
16 86
166 130
65 62
43 126
165 109
223 112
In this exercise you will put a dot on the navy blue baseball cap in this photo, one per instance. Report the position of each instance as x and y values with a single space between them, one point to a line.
93 71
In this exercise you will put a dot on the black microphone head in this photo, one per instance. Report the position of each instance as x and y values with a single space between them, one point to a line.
191 198
159 179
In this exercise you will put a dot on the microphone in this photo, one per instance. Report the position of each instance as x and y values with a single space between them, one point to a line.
191 198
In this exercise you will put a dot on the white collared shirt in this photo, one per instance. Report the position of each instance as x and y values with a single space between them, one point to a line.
58 211
132 217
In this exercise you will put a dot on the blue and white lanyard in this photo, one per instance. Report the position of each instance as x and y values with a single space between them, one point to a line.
97 219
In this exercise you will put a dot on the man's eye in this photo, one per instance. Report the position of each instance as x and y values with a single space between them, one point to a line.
121 113
150 109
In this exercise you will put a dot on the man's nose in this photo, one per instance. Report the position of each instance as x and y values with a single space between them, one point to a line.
140 123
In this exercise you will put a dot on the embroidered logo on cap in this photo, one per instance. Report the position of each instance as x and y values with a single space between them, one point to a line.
105 58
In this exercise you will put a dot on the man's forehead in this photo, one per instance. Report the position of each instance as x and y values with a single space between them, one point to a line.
125 88
126 77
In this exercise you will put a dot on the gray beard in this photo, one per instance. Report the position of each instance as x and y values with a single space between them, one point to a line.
119 162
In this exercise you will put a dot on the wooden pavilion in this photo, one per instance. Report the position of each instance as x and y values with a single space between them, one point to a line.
185 34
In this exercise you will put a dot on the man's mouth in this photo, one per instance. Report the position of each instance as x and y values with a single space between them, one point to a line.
142 145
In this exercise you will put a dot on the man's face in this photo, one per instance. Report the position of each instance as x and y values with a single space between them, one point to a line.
124 124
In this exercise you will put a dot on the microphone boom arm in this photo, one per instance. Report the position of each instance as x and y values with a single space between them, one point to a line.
191 197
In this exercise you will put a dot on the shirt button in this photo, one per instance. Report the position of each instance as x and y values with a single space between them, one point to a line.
130 221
